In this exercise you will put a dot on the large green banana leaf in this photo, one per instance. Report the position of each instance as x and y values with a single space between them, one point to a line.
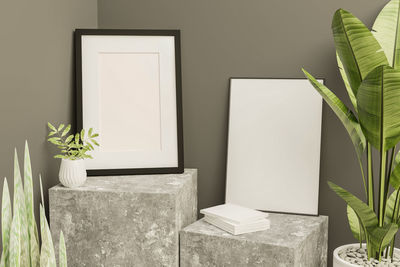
365 214
357 48
344 114
378 101
355 225
390 203
386 30
395 175
346 82
380 237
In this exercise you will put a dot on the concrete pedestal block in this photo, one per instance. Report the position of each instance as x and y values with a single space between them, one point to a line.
292 240
124 220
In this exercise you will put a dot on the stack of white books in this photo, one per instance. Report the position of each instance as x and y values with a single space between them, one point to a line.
236 219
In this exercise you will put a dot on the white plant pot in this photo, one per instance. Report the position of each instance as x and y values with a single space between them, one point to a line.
339 262
72 172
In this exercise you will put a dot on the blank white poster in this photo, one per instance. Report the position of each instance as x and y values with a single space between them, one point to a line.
129 83
274 145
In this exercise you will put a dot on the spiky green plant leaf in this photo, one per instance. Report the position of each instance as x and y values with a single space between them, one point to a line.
357 48
378 108
15 242
344 114
6 220
62 252
355 225
32 228
47 255
2 261
20 208
386 30
366 215
41 190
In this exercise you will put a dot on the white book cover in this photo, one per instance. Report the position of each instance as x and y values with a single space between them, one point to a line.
234 213
237 229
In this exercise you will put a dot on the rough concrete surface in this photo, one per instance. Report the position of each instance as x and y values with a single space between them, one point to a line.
292 240
124 220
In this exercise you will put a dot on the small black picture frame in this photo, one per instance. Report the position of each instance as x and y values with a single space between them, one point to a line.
129 89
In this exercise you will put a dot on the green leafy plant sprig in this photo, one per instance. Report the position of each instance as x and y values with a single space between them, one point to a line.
73 146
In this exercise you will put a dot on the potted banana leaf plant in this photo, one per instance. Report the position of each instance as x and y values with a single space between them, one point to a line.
369 63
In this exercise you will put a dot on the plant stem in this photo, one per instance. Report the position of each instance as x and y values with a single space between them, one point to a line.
371 200
395 217
382 200
392 248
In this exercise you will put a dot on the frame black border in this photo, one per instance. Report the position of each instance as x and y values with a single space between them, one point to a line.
227 138
178 76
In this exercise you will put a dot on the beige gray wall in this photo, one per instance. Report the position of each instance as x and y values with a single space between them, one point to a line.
220 39
260 38
36 78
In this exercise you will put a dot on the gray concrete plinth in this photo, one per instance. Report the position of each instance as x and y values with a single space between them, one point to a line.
292 240
124 220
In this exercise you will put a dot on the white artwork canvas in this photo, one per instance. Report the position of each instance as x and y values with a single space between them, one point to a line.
274 145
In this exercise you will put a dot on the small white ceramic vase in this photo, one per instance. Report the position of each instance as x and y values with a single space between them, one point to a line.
72 172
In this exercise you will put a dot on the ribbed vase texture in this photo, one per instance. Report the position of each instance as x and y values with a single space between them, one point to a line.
72 172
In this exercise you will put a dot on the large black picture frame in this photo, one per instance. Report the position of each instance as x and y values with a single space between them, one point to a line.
80 100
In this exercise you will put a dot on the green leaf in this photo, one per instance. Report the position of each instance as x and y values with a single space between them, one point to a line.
20 208
34 246
90 132
354 224
77 139
344 114
69 139
380 237
60 127
47 255
66 130
41 191
51 133
15 242
346 83
378 101
94 142
95 135
28 191
365 214
51 127
390 203
395 175
62 252
357 48
6 219
386 30
82 134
